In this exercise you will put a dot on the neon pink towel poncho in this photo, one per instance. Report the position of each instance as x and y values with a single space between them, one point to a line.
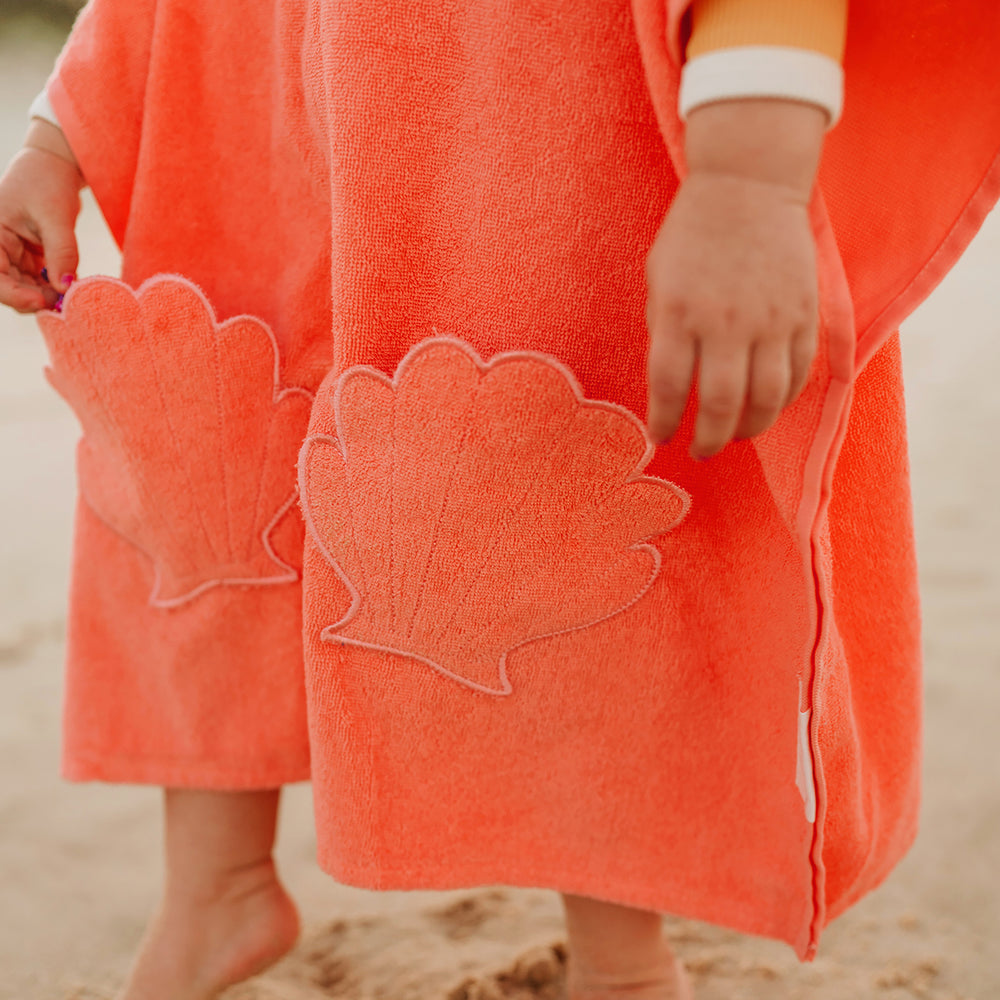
536 652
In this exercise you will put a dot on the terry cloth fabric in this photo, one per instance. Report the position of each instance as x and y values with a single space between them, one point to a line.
725 29
557 473
215 443
740 743
210 693
186 463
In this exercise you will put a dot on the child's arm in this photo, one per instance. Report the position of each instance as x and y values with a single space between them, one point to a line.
732 277
39 204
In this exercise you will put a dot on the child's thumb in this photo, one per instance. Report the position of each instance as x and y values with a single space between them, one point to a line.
61 255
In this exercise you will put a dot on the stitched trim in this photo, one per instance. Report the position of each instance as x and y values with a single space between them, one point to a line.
327 635
181 772
917 289
642 545
290 575
499 359
820 464
741 914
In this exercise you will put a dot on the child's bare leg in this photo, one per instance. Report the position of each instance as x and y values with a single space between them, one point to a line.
619 953
224 914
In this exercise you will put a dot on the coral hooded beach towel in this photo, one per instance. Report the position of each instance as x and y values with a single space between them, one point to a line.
537 652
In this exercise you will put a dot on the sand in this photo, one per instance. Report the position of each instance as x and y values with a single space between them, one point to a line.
79 865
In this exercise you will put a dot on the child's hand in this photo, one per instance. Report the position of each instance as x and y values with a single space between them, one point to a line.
733 297
39 204
732 290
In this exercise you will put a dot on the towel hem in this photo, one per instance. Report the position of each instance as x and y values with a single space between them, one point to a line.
79 768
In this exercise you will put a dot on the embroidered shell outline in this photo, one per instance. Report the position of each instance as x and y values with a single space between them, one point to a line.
472 507
189 440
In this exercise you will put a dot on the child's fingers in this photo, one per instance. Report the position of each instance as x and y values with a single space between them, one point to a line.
670 372
767 387
13 250
722 388
61 254
19 287
22 296
802 355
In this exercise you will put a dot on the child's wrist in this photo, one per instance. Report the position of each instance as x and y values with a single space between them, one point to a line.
771 140
48 138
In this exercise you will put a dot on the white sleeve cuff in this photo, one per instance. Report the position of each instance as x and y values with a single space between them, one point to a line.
41 108
763 71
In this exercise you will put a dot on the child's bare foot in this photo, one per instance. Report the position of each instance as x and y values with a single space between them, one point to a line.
225 915
200 943
670 984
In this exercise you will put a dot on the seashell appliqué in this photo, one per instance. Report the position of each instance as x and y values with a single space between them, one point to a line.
472 507
189 440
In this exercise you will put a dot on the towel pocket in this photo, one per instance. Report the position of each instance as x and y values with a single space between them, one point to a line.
472 507
189 440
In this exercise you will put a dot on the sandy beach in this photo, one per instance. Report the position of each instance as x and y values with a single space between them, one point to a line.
79 865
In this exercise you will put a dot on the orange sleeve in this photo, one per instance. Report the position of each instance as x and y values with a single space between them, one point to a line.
820 25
